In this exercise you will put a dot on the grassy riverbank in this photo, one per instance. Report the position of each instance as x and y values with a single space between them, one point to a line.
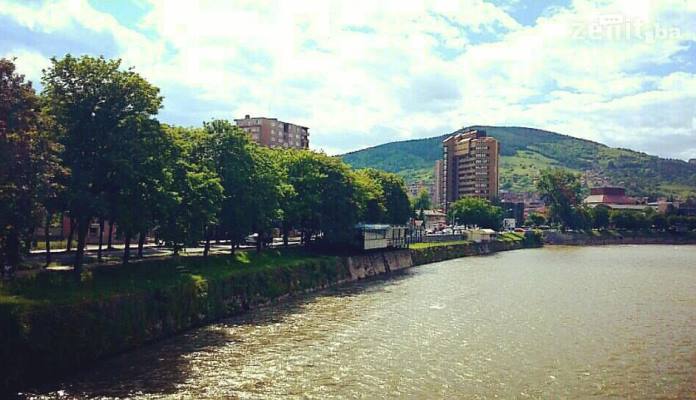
107 281
52 323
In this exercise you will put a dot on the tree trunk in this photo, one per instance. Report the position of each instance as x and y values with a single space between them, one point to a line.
12 249
126 248
47 238
68 246
30 239
259 242
141 243
232 246
109 241
286 234
206 248
101 239
82 227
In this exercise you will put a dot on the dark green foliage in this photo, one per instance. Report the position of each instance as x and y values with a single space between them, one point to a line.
600 217
100 112
422 201
631 220
535 219
561 190
396 203
475 211
27 164
323 196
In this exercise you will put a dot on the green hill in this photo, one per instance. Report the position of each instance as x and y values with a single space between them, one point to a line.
526 151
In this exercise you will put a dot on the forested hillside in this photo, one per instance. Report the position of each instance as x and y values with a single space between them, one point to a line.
526 151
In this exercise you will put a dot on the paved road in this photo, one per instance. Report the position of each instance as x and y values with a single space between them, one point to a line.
61 259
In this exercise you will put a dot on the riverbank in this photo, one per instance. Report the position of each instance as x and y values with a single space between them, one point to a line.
51 324
614 237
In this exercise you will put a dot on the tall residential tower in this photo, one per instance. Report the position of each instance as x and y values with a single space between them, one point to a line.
470 165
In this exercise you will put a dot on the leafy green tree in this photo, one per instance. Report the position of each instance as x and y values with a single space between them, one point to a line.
196 195
140 179
475 211
582 218
267 190
561 190
27 163
535 219
324 198
369 198
600 217
228 151
91 99
396 203
629 219
422 201
658 221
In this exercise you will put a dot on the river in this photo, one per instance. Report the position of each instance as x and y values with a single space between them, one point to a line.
557 322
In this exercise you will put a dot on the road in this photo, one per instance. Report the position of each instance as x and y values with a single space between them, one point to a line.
62 259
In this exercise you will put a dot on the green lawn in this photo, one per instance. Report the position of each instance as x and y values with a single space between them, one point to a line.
106 281
437 244
511 236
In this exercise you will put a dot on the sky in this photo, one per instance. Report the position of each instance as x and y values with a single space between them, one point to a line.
361 73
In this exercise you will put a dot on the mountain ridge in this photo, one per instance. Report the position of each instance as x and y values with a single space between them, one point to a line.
525 151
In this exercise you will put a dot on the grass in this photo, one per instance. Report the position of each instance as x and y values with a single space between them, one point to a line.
683 191
424 245
511 237
518 172
107 281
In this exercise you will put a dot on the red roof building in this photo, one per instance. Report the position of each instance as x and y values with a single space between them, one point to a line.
608 195
612 197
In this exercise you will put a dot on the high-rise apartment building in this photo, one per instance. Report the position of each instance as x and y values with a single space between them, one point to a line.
437 185
470 165
273 133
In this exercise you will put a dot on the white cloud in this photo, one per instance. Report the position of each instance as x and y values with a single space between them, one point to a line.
388 70
29 63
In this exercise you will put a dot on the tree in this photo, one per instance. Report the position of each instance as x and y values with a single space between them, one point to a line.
323 196
267 179
658 221
91 99
600 217
629 219
27 162
422 201
227 153
535 219
196 193
369 198
582 218
475 211
139 179
561 190
396 203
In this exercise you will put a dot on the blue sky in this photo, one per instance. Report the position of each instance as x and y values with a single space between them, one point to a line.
361 73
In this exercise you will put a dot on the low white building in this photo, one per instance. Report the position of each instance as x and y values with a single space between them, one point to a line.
478 235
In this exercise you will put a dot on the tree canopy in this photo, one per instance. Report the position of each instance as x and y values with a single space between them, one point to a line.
475 211
90 147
